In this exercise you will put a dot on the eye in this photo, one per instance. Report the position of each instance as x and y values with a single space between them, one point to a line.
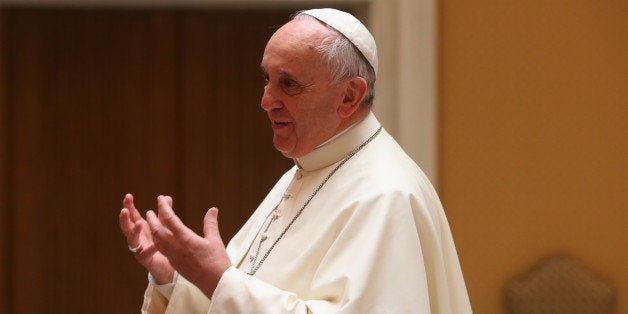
290 83
292 87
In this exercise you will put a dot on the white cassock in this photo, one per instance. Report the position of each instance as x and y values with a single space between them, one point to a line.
374 239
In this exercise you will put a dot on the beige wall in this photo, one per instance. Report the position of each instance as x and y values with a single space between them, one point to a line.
534 137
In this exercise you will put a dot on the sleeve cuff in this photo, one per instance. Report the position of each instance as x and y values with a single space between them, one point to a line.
165 289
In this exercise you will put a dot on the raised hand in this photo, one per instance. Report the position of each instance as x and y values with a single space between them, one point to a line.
140 241
201 260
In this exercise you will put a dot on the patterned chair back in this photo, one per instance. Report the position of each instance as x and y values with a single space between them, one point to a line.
559 285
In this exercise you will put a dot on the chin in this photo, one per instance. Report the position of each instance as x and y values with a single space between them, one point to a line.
284 151
289 153
284 147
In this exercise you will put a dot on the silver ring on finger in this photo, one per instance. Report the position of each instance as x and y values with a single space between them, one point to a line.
134 249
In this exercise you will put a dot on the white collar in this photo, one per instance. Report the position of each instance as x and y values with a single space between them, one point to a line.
341 144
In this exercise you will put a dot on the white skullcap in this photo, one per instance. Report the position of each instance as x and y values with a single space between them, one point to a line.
351 28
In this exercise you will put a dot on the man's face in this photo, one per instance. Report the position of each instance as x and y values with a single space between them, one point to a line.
299 97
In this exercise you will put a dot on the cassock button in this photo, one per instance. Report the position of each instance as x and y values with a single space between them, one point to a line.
298 175
251 257
264 236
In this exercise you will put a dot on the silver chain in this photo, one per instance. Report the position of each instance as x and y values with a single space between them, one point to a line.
255 268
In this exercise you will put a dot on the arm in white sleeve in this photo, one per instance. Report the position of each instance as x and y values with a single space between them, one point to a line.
165 289
181 296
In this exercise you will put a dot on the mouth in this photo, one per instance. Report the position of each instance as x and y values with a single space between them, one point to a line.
279 123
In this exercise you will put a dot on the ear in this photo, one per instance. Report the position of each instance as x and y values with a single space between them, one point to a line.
354 93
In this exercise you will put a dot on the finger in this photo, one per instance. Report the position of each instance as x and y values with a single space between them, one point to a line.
158 230
135 240
130 205
210 224
144 247
133 235
124 219
130 229
168 217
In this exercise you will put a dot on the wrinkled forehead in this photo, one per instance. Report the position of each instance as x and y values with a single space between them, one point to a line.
292 51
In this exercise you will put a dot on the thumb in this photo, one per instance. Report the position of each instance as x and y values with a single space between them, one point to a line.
210 224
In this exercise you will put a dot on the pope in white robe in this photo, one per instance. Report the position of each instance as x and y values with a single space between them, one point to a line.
354 227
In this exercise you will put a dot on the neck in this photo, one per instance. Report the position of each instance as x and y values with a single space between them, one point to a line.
356 117
346 125
338 146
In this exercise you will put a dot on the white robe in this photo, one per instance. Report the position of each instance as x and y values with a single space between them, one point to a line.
375 239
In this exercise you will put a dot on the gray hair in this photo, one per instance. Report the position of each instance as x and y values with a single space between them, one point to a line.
344 60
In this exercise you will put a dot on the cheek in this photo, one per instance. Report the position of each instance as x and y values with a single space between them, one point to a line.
323 113
316 125
313 115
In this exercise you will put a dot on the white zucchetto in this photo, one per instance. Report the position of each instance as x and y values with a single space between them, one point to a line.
351 28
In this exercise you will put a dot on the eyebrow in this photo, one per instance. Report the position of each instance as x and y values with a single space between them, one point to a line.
282 73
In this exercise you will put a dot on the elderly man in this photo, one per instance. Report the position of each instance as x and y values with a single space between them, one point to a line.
354 227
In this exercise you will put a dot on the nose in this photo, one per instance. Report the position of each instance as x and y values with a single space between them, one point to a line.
269 101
